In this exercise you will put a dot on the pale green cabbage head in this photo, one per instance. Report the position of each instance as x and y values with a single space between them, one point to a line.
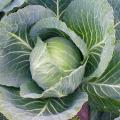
58 58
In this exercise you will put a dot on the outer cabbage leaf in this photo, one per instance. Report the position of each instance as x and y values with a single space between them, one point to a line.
93 20
104 92
8 5
58 6
16 44
13 106
97 100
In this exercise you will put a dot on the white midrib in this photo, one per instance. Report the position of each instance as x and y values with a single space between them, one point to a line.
58 9
97 45
100 84
43 110
18 38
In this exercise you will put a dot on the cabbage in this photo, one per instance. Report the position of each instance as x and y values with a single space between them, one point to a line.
56 55
57 59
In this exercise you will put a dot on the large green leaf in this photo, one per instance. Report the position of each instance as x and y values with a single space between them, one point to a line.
93 20
16 44
13 106
8 5
107 86
58 6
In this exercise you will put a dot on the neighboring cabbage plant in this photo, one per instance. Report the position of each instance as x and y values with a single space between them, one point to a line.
8 5
56 56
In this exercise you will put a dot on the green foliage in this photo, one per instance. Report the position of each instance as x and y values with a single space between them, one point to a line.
57 54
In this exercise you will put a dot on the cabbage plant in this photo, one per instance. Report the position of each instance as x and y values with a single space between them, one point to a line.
56 55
